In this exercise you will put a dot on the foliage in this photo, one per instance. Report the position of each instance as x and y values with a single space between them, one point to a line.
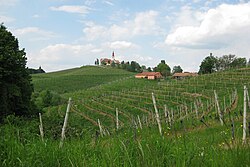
177 69
46 98
149 69
128 147
15 85
163 68
211 64
36 71
208 65
97 62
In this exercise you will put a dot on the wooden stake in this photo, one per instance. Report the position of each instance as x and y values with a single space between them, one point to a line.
245 115
100 127
65 123
172 113
157 114
165 112
248 100
146 120
218 107
117 119
196 110
41 126
139 121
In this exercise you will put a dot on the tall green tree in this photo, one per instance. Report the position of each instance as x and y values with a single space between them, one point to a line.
239 62
15 81
177 69
208 65
163 68
230 61
149 69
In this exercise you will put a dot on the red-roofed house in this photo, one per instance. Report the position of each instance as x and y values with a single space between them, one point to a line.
149 75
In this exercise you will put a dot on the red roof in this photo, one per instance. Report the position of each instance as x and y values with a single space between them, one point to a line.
148 74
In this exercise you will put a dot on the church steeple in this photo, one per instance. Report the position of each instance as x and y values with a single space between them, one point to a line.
113 55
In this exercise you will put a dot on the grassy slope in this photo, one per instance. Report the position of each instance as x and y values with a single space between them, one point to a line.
188 142
77 79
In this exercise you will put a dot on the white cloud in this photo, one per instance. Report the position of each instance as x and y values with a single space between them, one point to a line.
93 31
108 3
72 9
34 33
122 45
35 16
8 3
53 56
220 27
89 2
6 19
144 23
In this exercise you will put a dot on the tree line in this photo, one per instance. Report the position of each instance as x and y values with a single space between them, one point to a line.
134 66
212 64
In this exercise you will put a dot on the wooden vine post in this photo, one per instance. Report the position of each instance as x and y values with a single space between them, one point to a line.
196 110
65 122
100 127
41 126
165 113
245 116
117 119
218 107
157 114
139 121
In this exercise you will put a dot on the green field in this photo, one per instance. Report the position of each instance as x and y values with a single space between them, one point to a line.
192 134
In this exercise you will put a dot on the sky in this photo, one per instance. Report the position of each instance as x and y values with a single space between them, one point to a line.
62 34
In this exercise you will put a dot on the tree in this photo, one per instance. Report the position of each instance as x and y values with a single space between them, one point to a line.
135 67
97 62
225 62
239 62
163 68
149 69
15 81
113 64
230 61
36 71
143 67
177 69
208 65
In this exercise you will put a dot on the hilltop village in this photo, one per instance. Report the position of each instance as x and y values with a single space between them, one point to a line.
162 70
209 65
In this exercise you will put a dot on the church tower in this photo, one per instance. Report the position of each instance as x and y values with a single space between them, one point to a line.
113 56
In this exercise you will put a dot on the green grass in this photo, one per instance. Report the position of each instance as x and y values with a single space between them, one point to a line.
128 147
77 79
186 142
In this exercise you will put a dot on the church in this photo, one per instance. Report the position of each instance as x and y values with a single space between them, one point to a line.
106 61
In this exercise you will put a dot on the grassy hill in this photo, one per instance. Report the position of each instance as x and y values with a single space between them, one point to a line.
192 134
77 78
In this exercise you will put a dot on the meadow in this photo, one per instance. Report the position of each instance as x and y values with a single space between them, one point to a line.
191 131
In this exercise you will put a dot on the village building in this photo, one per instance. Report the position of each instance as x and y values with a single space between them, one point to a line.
184 75
149 75
106 61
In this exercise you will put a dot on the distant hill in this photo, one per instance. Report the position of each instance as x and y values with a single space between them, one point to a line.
77 78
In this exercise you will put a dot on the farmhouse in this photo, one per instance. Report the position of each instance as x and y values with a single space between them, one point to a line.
149 75
184 75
